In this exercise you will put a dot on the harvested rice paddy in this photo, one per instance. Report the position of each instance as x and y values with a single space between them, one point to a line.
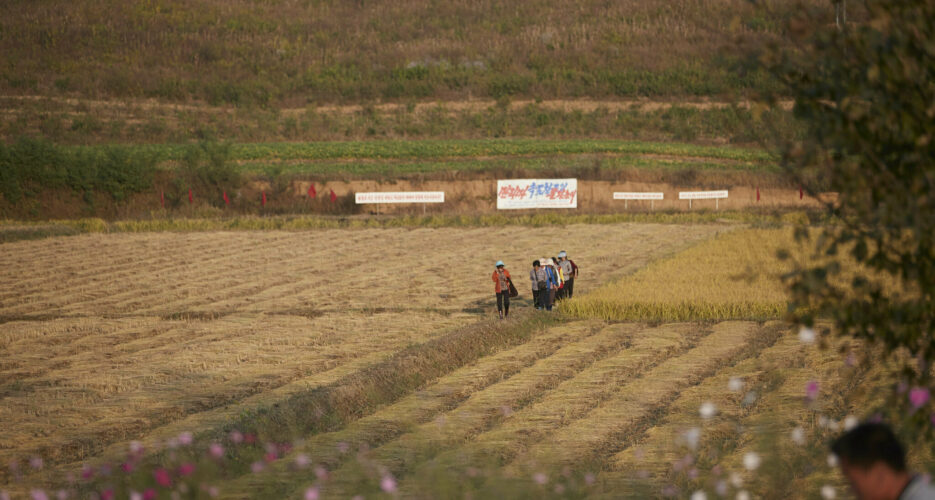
366 362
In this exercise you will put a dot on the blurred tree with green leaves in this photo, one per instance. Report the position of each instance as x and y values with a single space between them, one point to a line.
866 92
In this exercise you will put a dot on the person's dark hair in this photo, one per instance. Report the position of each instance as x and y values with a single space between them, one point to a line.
535 263
868 444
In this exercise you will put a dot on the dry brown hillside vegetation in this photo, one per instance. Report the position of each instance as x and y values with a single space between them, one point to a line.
293 52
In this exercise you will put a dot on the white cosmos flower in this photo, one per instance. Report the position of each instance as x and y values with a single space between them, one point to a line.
707 410
850 422
828 492
691 437
736 480
832 460
751 460
798 436
743 495
807 335
735 384
699 495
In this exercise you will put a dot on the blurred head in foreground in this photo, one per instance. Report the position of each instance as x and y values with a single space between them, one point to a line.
874 464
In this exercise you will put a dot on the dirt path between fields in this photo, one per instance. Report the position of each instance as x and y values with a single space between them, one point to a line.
8 102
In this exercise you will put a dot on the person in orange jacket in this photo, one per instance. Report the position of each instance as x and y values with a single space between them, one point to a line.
501 277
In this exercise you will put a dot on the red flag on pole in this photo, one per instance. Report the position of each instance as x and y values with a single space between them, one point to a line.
162 199
263 202
191 198
227 201
311 191
758 193
334 197
801 192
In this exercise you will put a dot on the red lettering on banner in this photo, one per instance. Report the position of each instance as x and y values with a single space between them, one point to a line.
512 192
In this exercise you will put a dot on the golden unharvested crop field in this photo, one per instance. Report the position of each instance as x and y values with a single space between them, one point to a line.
111 338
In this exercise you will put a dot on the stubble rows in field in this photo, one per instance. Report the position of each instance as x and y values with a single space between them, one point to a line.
110 337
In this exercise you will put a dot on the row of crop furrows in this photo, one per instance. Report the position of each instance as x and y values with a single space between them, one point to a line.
566 406
716 435
79 381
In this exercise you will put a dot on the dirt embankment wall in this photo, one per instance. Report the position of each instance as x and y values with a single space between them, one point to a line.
467 196
479 196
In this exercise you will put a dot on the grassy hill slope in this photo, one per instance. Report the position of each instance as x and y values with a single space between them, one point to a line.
296 52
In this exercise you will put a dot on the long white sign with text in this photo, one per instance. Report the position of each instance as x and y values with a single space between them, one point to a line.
638 196
401 197
702 195
514 194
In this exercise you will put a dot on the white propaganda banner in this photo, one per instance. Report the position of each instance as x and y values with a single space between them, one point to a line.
638 196
401 197
702 195
516 194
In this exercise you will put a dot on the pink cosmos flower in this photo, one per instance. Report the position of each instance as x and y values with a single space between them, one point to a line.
388 484
126 467
343 447
136 448
256 467
311 493
918 396
87 471
162 477
149 494
185 438
236 437
811 390
270 457
321 473
107 495
35 462
38 495
540 478
136 495
216 451
186 469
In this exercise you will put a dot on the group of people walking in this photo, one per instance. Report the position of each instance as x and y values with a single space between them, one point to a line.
552 279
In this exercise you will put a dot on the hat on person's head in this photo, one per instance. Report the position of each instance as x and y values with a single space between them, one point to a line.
549 262
562 254
499 263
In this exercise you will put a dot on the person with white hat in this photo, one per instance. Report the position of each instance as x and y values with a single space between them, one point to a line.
501 278
569 272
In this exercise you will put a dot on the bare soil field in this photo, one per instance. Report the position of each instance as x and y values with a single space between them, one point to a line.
107 338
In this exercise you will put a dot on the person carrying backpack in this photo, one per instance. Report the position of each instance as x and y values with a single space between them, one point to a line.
539 279
569 272
551 285
501 278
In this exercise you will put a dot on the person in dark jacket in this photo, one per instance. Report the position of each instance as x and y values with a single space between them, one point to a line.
539 281
552 283
501 277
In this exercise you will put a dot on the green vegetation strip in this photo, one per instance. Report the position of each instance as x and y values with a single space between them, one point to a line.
389 149
561 165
